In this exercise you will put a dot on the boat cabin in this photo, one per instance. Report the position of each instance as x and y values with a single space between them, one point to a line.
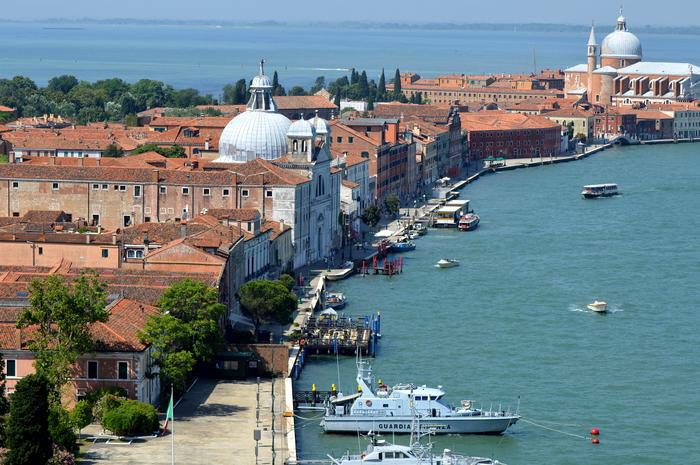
599 190
448 215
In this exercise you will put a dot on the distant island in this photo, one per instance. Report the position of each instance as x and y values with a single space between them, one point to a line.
516 27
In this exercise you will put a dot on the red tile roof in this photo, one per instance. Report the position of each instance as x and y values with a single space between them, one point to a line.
501 121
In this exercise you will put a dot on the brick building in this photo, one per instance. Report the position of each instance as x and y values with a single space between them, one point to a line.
501 134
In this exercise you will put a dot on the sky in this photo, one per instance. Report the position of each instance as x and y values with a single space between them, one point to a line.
640 12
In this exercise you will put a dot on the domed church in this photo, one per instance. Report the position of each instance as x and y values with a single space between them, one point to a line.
258 132
617 75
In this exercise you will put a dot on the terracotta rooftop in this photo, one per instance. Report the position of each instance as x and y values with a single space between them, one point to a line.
234 214
501 121
434 113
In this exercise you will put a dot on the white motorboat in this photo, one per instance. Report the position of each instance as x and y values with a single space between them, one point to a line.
381 452
335 300
598 306
383 409
594 191
447 263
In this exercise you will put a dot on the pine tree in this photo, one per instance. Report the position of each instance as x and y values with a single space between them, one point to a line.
4 404
28 438
354 77
336 99
277 89
397 85
363 85
381 88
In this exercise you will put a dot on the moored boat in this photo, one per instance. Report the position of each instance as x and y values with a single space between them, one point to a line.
468 222
381 452
403 246
335 300
447 263
594 191
383 409
598 306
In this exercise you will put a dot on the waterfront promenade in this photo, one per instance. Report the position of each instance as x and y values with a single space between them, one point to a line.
214 424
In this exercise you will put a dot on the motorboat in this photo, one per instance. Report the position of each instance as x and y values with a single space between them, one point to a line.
447 263
593 191
335 300
341 273
598 306
412 235
403 246
381 452
468 222
420 229
383 409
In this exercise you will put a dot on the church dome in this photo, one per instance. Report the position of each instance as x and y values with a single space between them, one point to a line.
254 134
621 43
321 126
258 132
301 129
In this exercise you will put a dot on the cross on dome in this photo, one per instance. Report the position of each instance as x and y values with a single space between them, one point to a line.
262 67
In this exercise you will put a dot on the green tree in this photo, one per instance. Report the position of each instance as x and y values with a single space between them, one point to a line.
392 204
397 85
381 88
336 99
354 76
287 280
277 89
4 403
62 84
131 418
176 151
319 84
113 150
128 103
186 332
61 315
363 85
81 415
149 93
267 302
236 94
371 216
28 438
297 90
61 428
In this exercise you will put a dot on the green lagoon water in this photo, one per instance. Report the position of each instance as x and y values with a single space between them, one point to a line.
511 322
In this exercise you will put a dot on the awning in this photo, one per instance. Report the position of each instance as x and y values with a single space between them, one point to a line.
384 233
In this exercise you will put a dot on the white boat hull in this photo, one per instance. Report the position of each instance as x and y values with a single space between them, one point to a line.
441 425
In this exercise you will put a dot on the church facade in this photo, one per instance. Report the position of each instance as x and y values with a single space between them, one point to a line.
304 190
616 74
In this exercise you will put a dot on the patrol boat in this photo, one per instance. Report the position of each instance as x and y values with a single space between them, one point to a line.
381 452
392 410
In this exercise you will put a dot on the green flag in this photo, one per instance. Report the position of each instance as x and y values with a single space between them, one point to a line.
169 414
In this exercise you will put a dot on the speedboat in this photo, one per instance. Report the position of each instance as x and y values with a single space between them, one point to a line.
468 222
593 191
447 263
598 306
403 246
381 452
420 229
335 300
383 409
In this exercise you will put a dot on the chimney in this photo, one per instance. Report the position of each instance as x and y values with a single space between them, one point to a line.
114 238
183 229
156 175
81 161
53 160
281 225
87 238
206 144
97 161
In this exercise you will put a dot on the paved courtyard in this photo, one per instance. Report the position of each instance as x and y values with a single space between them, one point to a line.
214 425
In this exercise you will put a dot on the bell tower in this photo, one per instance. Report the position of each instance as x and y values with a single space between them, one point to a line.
592 61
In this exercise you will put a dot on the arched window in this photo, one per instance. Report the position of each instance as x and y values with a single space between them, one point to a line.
303 146
295 145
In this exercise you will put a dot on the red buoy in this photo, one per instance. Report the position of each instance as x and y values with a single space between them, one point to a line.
595 431
595 441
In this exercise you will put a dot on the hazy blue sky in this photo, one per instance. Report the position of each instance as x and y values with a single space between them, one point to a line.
639 12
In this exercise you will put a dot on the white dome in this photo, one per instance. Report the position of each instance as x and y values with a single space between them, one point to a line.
621 43
254 134
261 80
301 129
321 126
